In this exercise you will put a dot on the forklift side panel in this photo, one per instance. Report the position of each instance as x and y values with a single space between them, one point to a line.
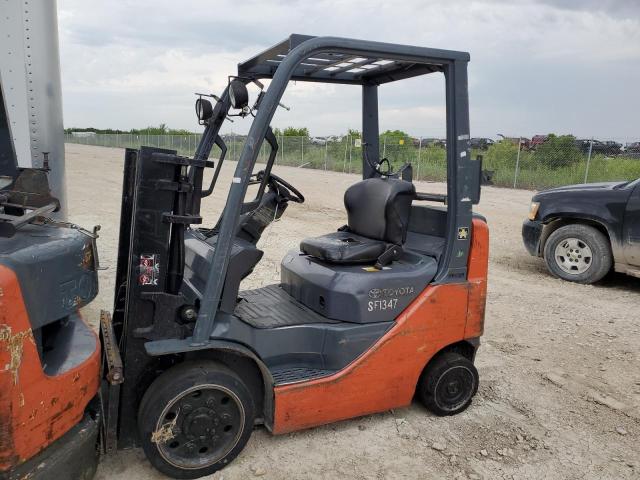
386 375
478 268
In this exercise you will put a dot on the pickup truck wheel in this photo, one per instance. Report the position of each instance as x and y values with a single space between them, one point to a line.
578 253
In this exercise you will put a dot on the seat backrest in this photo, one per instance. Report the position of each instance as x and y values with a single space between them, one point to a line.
379 208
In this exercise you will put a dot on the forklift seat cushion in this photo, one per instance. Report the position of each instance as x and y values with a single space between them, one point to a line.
378 211
343 247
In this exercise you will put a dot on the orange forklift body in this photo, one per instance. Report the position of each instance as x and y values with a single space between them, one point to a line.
35 409
442 315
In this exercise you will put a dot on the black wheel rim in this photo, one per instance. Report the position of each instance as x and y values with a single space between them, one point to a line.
199 427
454 388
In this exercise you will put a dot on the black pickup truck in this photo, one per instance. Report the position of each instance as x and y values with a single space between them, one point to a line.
583 231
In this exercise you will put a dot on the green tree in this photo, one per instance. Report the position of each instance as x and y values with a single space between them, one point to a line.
394 133
558 151
179 131
296 132
396 140
501 155
159 130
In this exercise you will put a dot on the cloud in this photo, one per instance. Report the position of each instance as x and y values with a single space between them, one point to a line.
537 66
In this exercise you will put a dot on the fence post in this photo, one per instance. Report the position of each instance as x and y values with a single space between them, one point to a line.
586 172
346 148
350 152
384 147
515 177
302 148
419 159
326 145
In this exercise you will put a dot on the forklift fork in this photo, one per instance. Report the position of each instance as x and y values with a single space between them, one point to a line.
113 374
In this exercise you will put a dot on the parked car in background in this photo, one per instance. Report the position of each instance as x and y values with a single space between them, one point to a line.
584 144
583 231
608 148
432 142
481 143
612 148
632 150
537 140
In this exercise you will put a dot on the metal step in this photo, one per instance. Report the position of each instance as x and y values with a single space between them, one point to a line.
297 374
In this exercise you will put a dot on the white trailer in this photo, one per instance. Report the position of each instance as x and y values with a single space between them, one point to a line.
31 90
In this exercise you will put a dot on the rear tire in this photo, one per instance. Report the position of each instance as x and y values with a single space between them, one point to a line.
195 419
448 384
578 253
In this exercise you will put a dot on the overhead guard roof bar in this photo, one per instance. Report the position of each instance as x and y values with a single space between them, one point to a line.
342 67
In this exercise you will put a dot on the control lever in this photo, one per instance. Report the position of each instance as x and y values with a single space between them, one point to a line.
260 85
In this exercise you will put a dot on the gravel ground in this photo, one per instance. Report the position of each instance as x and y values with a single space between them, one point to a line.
560 370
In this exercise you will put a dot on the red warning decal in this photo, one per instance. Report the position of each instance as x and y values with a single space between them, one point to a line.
149 269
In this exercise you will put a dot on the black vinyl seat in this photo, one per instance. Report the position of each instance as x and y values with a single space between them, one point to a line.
378 212
343 247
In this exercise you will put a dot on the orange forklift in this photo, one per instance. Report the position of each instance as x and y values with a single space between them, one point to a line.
387 308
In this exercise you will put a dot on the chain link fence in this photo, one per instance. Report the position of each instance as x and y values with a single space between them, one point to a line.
517 162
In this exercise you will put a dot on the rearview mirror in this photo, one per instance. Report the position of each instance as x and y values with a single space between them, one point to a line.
238 94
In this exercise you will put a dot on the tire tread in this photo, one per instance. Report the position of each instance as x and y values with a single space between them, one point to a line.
600 248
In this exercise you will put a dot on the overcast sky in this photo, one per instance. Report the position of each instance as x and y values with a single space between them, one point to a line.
536 66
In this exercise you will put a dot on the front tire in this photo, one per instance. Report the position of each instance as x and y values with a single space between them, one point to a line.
195 419
448 384
578 253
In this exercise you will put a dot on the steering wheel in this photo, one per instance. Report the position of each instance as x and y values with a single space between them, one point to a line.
293 194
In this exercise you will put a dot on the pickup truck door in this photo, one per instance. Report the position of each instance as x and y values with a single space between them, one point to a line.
631 228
